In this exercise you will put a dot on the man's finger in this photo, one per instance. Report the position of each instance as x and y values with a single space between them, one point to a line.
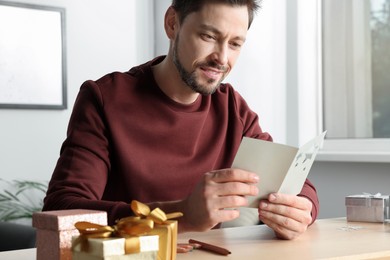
230 175
289 200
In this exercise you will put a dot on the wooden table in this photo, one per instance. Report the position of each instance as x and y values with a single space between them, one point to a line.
325 239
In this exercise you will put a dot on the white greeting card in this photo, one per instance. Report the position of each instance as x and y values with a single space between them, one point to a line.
281 168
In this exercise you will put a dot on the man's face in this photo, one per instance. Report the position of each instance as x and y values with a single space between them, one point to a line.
207 45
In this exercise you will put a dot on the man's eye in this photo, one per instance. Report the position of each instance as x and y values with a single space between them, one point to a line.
235 45
207 37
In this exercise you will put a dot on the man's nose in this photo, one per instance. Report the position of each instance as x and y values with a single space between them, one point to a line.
220 55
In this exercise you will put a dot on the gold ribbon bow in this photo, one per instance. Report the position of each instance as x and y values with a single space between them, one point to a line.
157 215
129 227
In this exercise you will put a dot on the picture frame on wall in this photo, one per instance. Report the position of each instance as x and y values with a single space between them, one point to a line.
32 56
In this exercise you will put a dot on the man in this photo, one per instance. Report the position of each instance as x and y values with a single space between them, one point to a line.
166 132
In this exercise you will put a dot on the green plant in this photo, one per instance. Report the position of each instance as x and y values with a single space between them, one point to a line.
20 199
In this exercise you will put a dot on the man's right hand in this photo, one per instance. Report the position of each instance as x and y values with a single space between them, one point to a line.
215 199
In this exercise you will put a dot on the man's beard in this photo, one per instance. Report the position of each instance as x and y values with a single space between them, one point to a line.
190 77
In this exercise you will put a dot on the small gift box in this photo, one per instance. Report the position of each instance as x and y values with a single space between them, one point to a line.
55 230
149 235
367 207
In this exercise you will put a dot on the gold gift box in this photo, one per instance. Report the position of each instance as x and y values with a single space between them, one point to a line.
132 230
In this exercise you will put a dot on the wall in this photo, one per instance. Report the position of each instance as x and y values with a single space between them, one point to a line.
100 39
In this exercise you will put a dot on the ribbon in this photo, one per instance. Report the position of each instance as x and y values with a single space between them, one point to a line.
90 230
368 197
157 215
130 227
367 194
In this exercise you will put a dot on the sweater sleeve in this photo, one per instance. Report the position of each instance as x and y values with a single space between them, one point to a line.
81 173
309 191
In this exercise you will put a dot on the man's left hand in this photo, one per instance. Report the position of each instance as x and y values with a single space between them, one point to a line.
288 215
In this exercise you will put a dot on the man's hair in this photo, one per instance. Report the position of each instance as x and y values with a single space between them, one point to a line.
185 7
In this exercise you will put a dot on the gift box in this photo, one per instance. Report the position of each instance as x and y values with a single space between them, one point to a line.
55 230
147 232
142 247
367 207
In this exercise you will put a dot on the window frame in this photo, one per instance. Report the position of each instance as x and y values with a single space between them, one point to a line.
355 72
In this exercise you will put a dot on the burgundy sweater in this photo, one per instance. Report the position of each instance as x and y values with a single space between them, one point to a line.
127 140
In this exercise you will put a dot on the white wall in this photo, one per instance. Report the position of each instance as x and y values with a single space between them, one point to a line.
101 36
260 73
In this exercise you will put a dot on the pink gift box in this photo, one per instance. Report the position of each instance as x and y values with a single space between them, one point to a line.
55 230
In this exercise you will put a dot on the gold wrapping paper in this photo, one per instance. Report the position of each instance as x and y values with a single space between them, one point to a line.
167 232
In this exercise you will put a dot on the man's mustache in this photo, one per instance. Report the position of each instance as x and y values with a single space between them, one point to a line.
213 64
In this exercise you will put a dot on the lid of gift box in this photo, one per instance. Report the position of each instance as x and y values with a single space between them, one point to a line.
65 219
367 200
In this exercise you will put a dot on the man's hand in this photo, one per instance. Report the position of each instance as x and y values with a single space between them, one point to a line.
288 215
215 198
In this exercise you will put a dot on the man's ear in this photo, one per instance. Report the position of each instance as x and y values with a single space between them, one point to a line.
171 22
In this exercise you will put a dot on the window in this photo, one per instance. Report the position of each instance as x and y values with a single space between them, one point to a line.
380 52
356 79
